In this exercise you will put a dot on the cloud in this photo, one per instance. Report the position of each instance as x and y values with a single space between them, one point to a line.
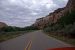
24 12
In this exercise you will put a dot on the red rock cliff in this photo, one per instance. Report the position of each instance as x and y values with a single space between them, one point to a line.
57 14
2 25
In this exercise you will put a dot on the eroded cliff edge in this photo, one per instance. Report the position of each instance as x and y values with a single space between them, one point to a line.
54 16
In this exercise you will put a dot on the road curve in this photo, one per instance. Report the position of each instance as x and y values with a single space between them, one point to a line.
32 41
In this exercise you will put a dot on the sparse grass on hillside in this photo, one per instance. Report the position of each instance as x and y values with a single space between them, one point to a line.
63 38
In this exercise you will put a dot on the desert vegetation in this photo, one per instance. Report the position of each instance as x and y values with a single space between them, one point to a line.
11 32
63 29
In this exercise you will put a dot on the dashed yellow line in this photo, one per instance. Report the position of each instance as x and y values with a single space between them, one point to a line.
28 45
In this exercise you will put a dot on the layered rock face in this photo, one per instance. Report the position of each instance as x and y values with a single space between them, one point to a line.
71 5
54 16
2 25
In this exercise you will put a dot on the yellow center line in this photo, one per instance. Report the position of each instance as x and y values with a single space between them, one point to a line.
28 45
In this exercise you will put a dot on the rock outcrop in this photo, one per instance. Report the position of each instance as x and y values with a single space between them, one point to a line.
54 16
2 25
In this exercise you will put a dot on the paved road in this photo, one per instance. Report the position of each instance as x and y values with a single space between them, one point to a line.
32 41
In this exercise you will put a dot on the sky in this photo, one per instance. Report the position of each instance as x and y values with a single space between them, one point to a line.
23 13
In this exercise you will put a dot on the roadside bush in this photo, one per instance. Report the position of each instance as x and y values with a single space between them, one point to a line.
48 29
30 28
65 25
69 30
8 29
67 19
12 29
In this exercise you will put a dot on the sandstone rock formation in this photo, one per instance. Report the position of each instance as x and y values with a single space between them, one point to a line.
2 25
54 16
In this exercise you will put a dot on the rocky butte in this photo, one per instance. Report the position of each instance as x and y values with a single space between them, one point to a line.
54 16
2 25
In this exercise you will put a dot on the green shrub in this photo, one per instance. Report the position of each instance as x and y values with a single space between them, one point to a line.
67 19
48 29
65 25
12 29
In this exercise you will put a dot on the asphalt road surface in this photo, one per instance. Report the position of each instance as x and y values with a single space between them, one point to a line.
32 41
